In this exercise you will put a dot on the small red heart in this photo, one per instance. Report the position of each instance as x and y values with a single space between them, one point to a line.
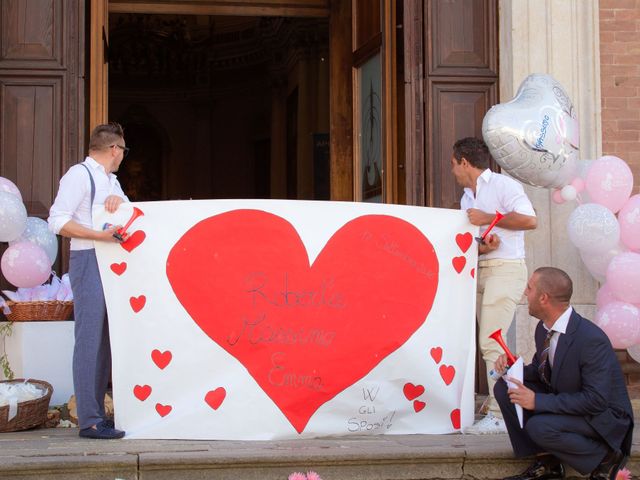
161 359
473 273
455 418
418 405
142 392
464 241
447 372
118 268
459 263
436 354
134 240
412 391
163 410
137 303
214 398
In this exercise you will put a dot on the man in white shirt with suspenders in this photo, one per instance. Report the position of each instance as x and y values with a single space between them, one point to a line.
85 184
502 272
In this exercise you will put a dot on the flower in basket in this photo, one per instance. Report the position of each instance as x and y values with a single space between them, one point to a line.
301 476
623 474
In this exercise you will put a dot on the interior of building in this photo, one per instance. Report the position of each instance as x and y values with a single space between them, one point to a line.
220 106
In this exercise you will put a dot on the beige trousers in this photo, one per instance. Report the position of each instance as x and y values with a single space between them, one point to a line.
501 284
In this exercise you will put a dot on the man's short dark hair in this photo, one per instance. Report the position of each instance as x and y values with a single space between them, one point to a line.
474 150
105 135
555 283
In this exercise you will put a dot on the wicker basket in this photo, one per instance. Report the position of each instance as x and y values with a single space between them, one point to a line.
39 311
31 413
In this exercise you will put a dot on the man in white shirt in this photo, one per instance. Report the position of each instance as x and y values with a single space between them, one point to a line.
574 398
502 272
89 183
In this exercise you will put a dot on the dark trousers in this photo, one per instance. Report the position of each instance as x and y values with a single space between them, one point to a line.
569 438
92 351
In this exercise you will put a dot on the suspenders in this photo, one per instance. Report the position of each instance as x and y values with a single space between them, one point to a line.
93 189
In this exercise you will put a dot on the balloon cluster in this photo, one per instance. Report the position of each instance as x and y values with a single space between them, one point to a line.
32 247
606 231
534 137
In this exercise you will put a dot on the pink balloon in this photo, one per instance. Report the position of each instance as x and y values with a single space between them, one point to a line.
629 220
597 262
621 322
25 264
578 184
8 186
556 196
609 182
604 296
623 276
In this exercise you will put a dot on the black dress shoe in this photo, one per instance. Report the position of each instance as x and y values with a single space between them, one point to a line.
608 469
541 470
102 432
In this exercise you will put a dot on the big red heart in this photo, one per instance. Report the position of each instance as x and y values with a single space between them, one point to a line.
304 332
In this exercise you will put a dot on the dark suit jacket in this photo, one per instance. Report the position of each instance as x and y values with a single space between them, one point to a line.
586 380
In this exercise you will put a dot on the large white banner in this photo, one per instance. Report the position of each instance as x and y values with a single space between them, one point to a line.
247 319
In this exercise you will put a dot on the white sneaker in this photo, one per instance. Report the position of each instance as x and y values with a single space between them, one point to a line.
488 425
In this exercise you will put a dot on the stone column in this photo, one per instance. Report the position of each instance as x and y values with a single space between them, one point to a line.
560 38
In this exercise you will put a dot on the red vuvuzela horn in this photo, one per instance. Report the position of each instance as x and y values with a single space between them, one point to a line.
496 219
497 336
136 213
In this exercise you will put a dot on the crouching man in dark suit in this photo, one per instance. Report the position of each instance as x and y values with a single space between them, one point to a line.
576 406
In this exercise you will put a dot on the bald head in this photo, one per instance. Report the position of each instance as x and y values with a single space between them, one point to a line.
555 283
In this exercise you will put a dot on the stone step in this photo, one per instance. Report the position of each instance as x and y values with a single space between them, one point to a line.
60 454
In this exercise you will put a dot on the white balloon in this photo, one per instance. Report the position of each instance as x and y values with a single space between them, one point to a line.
8 186
13 217
37 231
634 351
569 193
593 228
535 136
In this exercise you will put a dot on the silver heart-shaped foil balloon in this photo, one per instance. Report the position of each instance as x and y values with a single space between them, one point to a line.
535 137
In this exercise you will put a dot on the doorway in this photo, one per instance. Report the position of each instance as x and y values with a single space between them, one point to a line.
220 106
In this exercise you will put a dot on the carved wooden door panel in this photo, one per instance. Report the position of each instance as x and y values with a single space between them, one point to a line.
461 84
41 96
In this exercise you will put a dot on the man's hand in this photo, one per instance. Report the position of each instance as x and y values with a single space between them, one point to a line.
107 235
112 202
478 217
521 395
501 364
491 243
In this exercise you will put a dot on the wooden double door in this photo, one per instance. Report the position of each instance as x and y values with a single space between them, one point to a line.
437 70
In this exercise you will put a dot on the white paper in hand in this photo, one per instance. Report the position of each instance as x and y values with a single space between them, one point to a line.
516 371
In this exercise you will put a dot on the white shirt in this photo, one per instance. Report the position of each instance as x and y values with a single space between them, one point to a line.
559 327
73 201
497 192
